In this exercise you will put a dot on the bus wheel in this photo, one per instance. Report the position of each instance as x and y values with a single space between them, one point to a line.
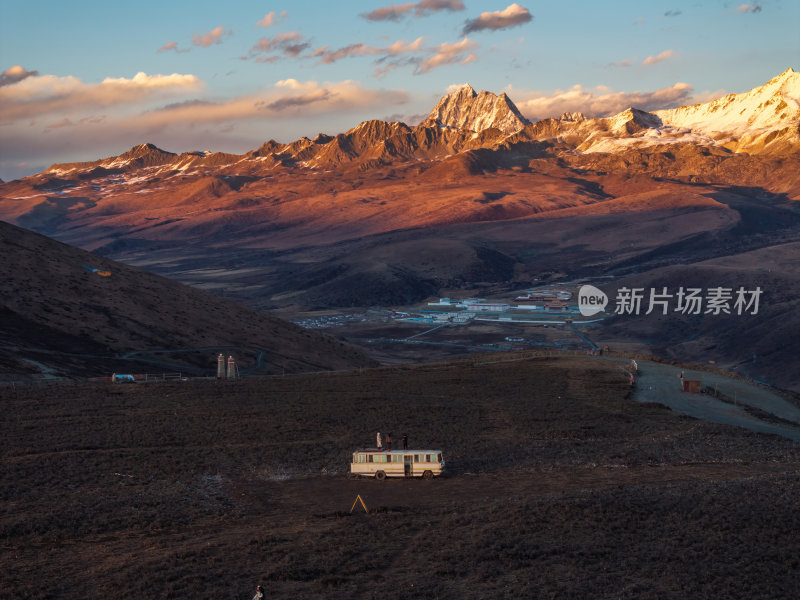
427 475
380 475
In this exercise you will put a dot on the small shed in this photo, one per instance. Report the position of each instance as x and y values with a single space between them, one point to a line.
691 386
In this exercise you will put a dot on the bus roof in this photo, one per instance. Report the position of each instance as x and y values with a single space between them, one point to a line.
401 451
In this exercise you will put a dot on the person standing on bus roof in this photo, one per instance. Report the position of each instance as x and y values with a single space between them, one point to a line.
389 441
405 441
380 444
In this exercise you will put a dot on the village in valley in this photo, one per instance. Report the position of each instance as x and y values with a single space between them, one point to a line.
540 317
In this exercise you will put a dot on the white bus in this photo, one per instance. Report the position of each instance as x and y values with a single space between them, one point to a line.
372 462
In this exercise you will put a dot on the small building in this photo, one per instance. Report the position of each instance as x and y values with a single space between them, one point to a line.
488 307
441 302
691 386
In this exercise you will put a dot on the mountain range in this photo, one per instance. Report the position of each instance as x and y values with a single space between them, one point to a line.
143 194
474 197
761 121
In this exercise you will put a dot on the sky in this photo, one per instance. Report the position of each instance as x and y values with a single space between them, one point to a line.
84 80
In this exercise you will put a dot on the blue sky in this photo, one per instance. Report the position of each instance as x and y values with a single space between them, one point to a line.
229 76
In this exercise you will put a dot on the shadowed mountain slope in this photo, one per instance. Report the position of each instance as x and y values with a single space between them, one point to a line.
58 316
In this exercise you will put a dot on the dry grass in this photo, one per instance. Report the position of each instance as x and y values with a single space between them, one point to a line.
557 485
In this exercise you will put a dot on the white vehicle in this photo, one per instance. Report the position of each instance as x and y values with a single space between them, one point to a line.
377 463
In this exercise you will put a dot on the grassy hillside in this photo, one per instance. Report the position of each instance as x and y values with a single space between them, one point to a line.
70 320
557 485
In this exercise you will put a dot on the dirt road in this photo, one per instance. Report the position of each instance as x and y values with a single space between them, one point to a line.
661 383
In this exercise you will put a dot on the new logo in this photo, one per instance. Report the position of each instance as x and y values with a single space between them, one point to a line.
591 300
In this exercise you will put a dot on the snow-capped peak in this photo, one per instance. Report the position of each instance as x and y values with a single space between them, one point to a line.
774 105
465 109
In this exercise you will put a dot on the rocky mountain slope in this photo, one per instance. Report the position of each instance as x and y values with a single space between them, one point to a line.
761 121
765 119
380 177
464 109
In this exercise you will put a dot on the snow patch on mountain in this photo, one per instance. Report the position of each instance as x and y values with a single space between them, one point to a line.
766 118
773 105
464 109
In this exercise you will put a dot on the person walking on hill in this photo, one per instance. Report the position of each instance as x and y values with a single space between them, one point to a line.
389 441
259 593
380 443
405 441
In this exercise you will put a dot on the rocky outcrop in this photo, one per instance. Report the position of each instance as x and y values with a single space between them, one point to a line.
467 110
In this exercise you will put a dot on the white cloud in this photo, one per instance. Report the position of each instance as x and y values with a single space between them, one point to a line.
651 60
212 37
598 102
285 110
15 74
170 47
287 96
40 95
271 18
401 46
512 15
447 54
290 43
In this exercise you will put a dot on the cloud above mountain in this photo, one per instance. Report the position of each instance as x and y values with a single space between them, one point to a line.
88 120
511 16
288 97
38 95
448 53
600 101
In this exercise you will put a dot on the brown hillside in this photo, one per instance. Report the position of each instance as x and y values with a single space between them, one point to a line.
59 314
557 485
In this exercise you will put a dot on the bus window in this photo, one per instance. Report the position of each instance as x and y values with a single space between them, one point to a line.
440 458
369 458
427 458
416 457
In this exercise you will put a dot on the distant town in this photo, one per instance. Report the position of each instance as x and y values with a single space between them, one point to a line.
544 306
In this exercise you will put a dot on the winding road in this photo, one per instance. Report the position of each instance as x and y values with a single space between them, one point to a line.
658 382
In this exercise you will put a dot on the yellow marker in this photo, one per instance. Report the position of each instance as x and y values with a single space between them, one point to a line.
357 500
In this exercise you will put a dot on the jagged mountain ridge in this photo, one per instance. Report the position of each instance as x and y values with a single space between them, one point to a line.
764 120
464 109
772 106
